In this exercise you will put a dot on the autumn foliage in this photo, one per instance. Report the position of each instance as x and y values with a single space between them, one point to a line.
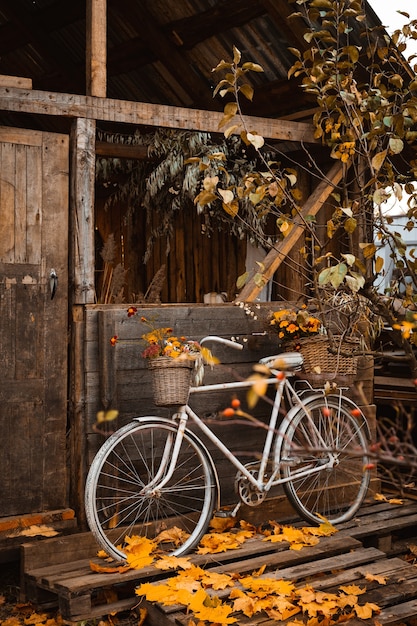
216 597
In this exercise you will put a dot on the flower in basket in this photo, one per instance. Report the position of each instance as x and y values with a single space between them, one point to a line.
161 342
293 324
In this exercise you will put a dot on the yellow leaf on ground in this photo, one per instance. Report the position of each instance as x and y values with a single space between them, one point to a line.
43 530
102 569
187 583
217 581
268 585
221 524
379 497
216 614
172 535
157 593
349 589
139 551
366 610
11 621
382 580
213 543
173 562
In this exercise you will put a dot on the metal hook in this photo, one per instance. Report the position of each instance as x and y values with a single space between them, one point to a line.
53 282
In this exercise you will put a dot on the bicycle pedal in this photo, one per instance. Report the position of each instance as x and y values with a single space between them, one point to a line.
228 512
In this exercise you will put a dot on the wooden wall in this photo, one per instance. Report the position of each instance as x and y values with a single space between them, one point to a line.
118 378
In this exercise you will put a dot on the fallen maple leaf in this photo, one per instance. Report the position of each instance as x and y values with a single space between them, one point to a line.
349 589
213 543
43 530
379 497
143 614
139 551
326 529
217 581
268 585
382 580
158 593
11 621
102 569
215 612
173 562
173 535
366 610
221 524
296 537
36 618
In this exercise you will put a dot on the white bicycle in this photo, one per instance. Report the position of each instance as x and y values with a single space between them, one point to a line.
156 474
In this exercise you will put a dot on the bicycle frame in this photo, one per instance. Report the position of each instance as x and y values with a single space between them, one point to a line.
170 454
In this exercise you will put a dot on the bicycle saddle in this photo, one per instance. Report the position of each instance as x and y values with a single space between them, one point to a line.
283 361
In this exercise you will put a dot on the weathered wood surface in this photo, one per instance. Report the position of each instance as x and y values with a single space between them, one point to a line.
57 572
143 113
118 377
33 340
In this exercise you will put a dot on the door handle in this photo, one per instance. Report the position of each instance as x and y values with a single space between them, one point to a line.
53 282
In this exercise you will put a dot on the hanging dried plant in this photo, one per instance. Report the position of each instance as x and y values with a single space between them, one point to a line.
165 184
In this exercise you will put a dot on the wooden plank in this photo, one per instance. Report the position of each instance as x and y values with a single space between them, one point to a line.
143 113
15 81
107 359
334 561
7 198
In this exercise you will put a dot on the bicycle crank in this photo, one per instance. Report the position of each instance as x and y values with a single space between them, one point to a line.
249 493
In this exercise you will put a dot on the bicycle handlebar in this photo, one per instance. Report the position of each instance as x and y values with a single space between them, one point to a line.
226 342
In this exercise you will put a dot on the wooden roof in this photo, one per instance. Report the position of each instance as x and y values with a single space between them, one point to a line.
157 51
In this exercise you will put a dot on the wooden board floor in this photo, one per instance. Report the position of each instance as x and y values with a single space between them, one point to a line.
57 573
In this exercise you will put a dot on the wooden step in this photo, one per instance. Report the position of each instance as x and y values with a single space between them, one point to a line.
56 572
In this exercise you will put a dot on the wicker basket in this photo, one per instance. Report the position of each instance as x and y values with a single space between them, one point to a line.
171 380
321 365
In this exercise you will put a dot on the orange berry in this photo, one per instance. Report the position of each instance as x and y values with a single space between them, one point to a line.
356 412
326 411
235 403
229 412
369 466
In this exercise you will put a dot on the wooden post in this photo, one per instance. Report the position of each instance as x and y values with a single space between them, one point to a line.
83 135
96 58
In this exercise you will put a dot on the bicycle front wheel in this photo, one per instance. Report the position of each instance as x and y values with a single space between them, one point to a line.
330 439
123 497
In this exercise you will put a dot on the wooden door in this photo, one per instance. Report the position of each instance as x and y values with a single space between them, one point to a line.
33 327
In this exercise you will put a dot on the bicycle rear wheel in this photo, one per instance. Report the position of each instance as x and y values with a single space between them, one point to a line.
333 432
123 498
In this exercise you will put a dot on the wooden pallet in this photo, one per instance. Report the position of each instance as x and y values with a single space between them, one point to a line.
57 573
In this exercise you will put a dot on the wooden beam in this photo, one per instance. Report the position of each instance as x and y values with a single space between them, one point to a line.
122 151
143 113
83 134
276 256
96 29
